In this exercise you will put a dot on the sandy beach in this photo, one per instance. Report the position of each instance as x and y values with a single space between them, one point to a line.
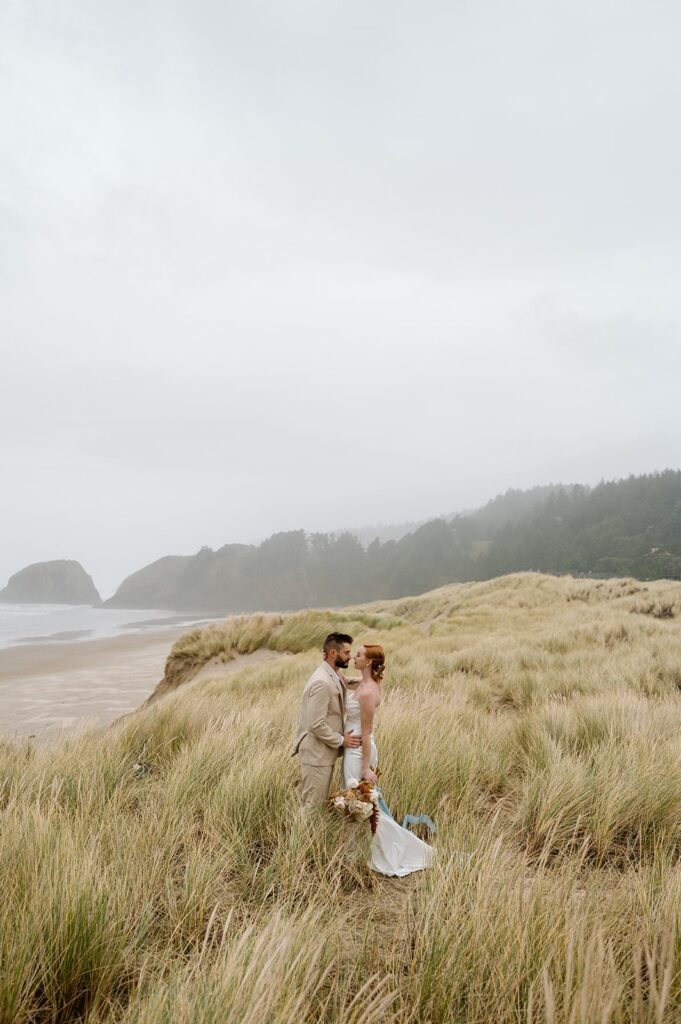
52 689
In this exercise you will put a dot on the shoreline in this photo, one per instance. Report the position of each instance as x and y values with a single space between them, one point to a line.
48 690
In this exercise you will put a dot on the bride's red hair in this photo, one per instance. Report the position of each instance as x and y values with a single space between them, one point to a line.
376 656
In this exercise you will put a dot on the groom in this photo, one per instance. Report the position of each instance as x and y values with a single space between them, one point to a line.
320 738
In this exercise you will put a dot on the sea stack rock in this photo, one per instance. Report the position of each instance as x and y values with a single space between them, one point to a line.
59 582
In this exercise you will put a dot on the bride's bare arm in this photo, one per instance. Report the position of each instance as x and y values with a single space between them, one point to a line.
367 704
351 684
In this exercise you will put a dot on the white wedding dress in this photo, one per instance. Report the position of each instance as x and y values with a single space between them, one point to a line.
394 850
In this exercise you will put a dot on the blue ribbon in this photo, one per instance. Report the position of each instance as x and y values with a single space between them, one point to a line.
384 807
408 819
420 819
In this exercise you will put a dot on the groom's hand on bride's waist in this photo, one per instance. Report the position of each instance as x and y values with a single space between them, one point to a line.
350 740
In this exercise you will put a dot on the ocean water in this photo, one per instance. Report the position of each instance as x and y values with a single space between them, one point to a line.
62 623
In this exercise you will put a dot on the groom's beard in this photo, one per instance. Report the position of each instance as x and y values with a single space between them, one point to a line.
340 663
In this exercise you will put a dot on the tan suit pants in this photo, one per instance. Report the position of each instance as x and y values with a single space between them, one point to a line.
316 782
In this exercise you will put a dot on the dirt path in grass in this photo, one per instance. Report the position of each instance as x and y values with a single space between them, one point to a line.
218 667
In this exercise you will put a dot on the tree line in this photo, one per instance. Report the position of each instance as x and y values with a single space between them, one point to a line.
628 527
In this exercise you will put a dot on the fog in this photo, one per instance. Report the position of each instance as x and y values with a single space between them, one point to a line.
298 264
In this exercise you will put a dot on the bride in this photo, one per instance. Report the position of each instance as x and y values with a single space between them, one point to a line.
394 850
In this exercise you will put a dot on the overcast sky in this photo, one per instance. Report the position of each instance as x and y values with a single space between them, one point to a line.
272 265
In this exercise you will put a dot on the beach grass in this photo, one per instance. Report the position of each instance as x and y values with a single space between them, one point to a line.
162 870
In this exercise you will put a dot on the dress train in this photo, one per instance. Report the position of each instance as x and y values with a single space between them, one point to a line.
394 849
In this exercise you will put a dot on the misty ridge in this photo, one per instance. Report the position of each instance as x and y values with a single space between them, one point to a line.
629 527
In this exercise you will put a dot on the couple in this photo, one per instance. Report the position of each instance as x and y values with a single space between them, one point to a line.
336 719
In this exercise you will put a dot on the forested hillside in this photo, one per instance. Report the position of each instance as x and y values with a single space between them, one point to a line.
627 527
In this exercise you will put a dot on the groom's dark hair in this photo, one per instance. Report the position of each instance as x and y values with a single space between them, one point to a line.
335 641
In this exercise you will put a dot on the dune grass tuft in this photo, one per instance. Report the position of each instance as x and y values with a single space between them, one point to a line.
163 871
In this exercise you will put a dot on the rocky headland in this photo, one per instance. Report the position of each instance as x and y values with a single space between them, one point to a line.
154 586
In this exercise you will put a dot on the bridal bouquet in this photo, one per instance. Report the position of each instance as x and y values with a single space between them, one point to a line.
359 800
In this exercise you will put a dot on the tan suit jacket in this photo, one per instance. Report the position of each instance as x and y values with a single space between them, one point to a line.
319 738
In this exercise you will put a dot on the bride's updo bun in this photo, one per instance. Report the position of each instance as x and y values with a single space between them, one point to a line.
376 656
